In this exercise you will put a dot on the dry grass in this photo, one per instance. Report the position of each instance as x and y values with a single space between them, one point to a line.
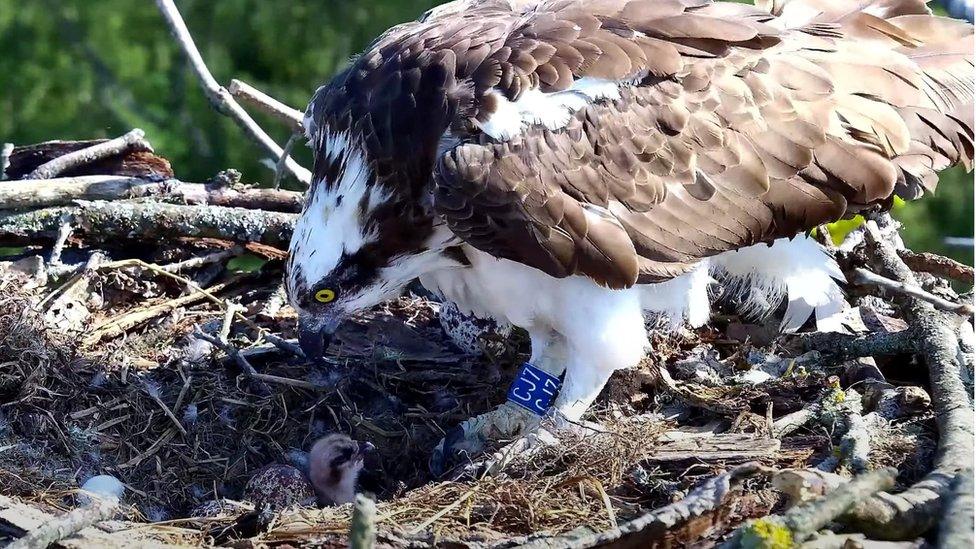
180 425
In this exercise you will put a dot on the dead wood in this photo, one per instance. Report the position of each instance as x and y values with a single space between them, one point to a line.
909 513
72 522
135 139
5 152
116 222
257 98
68 190
134 161
725 447
221 99
937 264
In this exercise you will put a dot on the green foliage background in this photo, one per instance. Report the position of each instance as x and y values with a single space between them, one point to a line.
77 69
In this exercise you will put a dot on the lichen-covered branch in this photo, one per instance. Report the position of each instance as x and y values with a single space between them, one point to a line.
68 524
63 191
648 529
956 531
108 222
906 515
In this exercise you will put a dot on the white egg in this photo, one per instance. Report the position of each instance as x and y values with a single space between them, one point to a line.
103 486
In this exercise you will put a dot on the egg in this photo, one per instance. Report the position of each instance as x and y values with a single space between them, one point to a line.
279 486
102 486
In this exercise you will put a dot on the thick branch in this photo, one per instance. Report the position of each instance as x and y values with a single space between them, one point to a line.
253 96
906 515
68 190
112 147
5 152
938 265
121 221
219 97
68 524
956 531
843 347
805 519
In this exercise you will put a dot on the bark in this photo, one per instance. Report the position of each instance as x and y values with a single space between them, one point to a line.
65 191
912 512
937 265
135 139
131 162
956 531
68 524
112 222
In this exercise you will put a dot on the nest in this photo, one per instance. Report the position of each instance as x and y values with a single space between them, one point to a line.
182 425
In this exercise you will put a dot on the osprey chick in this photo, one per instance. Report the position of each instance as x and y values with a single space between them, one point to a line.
568 165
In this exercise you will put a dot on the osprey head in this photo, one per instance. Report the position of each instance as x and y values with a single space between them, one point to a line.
357 243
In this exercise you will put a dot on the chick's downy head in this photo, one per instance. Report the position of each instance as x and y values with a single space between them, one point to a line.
334 464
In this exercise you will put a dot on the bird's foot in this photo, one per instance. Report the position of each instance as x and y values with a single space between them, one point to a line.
468 441
463 449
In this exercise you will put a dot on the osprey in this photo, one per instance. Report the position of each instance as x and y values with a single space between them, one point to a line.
567 166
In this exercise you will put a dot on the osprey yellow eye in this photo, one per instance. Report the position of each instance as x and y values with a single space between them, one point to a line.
325 295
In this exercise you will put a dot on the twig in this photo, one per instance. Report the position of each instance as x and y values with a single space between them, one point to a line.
119 325
218 96
864 276
253 96
234 353
937 265
194 262
64 231
300 384
166 411
285 155
112 147
65 191
362 528
68 524
230 310
5 152
647 529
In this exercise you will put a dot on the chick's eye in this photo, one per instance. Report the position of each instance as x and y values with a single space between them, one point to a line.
325 295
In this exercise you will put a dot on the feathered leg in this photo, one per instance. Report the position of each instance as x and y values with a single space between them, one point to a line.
509 420
595 342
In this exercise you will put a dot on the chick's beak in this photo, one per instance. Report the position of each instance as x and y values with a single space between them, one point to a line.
314 336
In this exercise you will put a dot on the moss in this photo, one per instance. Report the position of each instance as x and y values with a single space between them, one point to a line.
766 533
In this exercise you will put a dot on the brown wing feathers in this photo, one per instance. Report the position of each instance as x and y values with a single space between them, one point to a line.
737 132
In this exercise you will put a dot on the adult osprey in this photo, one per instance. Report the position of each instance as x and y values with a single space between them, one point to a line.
568 165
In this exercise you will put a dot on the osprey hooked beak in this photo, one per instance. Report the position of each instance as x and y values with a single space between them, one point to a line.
315 334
